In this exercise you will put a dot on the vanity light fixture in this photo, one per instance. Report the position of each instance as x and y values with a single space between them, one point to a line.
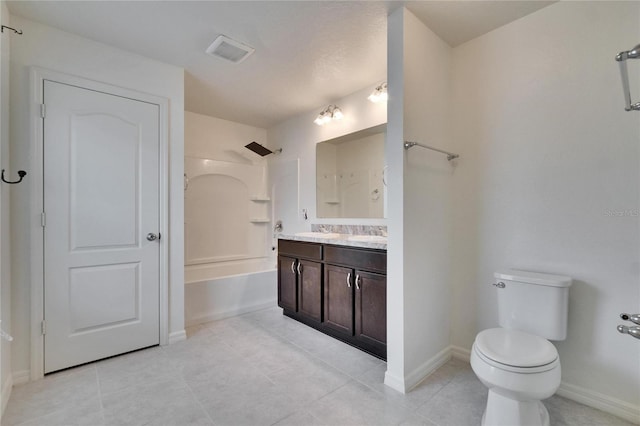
332 112
379 94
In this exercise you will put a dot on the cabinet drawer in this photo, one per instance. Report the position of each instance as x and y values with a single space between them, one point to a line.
369 260
300 249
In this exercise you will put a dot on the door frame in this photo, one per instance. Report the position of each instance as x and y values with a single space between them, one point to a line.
36 92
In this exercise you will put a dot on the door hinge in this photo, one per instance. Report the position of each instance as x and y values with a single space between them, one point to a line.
43 219
43 327
43 110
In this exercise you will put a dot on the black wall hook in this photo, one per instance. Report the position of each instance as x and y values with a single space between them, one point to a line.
21 174
19 32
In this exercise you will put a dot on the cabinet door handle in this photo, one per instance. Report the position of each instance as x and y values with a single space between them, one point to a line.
299 266
357 281
349 280
293 266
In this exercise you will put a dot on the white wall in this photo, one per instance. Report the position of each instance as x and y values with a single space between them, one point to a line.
419 273
5 246
547 153
211 137
53 49
298 137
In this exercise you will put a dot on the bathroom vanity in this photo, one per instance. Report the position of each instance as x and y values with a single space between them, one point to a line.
338 287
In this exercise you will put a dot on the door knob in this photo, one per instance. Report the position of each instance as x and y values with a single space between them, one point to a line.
151 236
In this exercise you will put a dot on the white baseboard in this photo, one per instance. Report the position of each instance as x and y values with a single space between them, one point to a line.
215 316
460 353
419 374
601 402
394 382
6 393
411 380
21 377
177 336
579 394
584 396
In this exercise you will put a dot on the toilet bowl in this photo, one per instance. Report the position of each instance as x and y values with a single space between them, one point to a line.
519 369
516 362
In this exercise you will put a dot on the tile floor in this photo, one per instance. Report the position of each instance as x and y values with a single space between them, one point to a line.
259 369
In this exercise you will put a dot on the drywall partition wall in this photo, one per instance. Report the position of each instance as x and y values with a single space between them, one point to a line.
426 207
394 155
53 49
298 137
5 246
549 181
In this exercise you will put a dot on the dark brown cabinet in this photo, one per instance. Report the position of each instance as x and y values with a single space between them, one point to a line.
339 290
310 289
287 283
355 296
300 280
338 299
371 309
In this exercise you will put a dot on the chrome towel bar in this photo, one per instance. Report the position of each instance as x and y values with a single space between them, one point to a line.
622 61
450 156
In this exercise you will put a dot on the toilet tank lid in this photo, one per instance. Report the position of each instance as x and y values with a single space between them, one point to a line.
538 278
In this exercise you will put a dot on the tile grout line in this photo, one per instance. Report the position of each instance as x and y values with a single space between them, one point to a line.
317 356
353 378
104 419
193 395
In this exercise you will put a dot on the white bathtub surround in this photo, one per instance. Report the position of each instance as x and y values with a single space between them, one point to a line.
227 211
228 234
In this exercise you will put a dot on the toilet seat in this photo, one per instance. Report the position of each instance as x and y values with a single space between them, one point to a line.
516 351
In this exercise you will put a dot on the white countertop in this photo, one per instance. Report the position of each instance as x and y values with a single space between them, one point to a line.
338 239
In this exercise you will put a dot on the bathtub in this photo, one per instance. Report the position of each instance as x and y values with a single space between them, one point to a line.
225 289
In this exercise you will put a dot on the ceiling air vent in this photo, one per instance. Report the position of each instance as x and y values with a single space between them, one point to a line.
231 50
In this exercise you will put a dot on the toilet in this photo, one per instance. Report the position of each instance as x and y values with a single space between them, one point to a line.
516 361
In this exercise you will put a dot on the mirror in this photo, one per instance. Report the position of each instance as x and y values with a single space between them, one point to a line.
349 175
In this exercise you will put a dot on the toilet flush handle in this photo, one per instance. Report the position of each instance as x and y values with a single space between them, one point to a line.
499 284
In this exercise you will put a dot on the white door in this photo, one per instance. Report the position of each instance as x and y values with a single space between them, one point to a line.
101 200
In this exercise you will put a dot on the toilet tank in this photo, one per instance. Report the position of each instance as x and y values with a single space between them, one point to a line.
533 302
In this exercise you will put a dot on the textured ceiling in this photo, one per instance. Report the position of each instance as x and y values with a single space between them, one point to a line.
308 53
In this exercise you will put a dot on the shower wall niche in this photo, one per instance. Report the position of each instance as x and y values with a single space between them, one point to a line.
227 211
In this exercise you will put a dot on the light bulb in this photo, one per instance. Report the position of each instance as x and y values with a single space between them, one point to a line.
337 114
319 119
379 94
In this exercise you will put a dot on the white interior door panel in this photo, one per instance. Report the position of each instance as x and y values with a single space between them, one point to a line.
101 199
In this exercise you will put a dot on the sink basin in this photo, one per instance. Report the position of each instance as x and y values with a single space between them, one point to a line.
368 238
327 235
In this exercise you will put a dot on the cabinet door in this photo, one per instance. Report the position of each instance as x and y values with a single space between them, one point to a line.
338 298
287 288
310 289
371 308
